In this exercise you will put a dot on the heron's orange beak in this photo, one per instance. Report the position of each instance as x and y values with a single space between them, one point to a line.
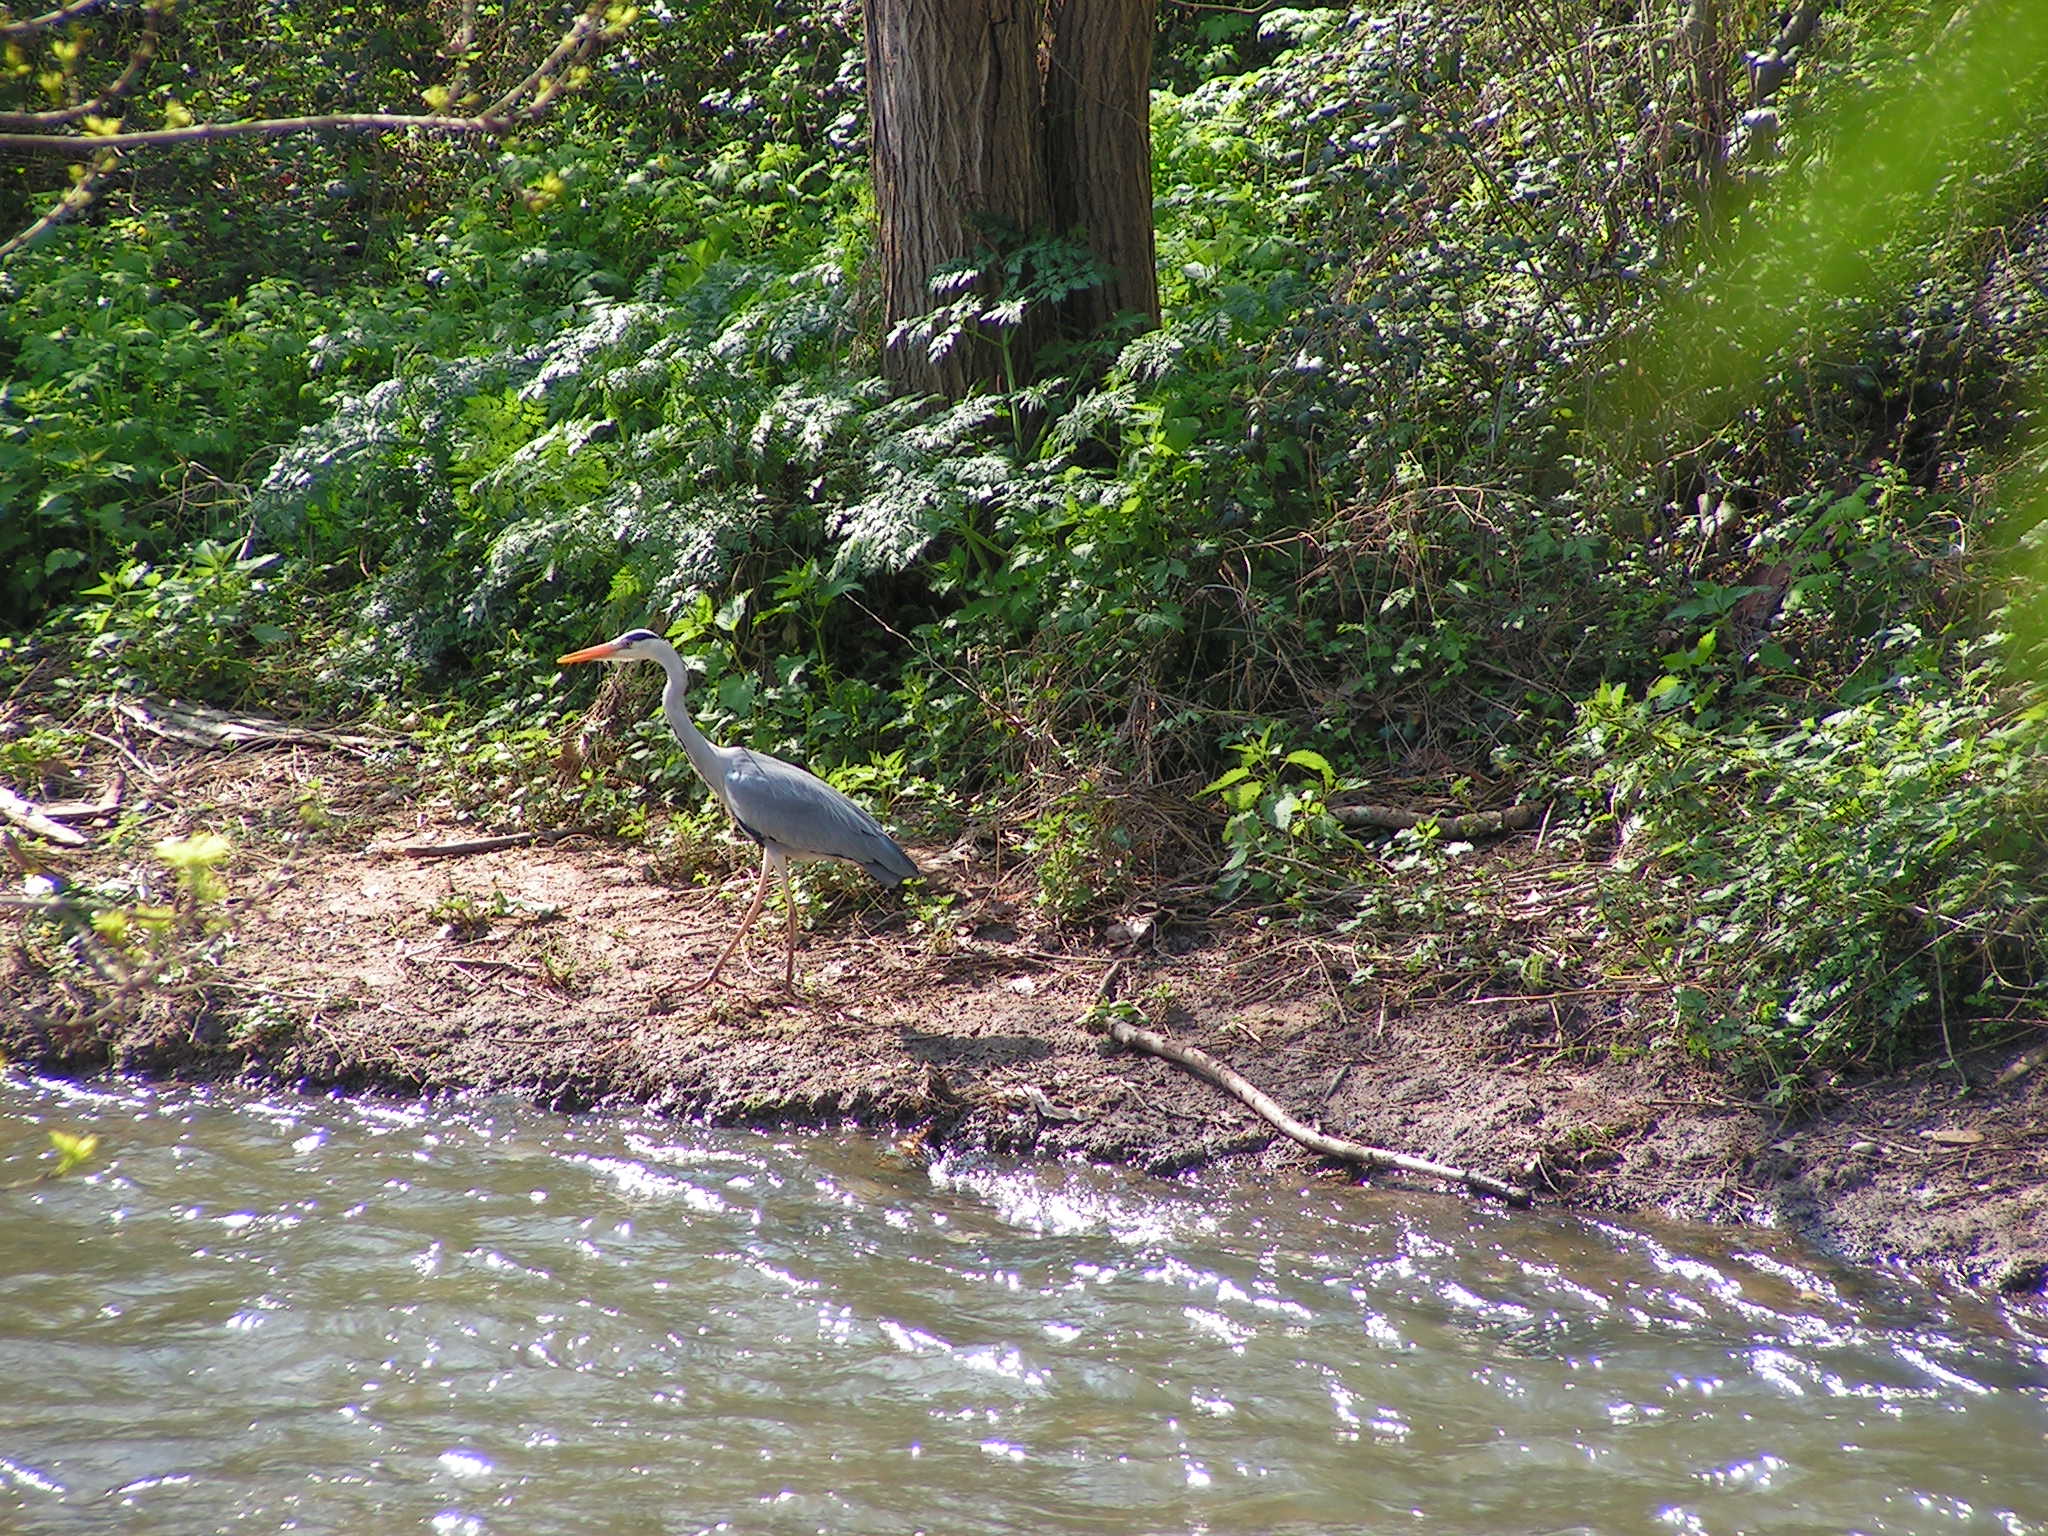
588 653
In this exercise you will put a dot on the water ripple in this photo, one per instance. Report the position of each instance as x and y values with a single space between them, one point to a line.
471 1317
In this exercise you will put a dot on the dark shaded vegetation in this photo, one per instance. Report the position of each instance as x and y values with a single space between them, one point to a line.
1404 502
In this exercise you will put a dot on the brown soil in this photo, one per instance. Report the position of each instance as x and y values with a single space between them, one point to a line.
541 970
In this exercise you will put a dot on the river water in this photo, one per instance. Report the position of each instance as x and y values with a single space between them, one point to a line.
281 1314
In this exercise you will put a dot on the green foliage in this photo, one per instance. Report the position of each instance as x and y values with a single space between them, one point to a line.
935 914
986 299
26 757
1280 825
118 945
1395 484
70 1149
1084 851
125 411
465 916
193 629
1835 890
1914 152
195 863
73 1151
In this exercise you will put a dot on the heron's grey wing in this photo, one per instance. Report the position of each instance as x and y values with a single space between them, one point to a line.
780 804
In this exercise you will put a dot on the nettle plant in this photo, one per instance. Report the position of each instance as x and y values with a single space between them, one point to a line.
1280 836
197 625
1835 890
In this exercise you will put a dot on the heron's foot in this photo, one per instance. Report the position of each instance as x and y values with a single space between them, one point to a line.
666 997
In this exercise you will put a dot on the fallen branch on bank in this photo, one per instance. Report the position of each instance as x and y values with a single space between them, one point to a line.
474 844
1203 1065
31 818
105 804
200 725
1473 824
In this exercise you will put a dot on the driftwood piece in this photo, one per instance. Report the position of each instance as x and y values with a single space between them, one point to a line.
29 817
473 845
1203 1065
198 725
108 802
1472 824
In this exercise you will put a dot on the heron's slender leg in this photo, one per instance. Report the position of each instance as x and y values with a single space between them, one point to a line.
789 945
753 911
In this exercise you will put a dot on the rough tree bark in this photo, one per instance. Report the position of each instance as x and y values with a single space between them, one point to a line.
1098 100
1000 119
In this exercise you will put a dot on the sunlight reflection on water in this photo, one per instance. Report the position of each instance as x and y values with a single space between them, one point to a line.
475 1317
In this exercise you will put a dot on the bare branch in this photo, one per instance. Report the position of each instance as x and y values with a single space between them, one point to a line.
11 31
474 845
138 60
525 102
1202 1064
575 43
24 814
522 103
80 146
74 200
1768 69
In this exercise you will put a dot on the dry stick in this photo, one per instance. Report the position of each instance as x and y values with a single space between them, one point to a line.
199 725
1202 1064
476 845
10 30
87 146
1615 989
128 752
87 810
476 962
71 202
1476 824
23 814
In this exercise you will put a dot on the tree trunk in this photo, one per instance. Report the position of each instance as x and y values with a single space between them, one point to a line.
1098 99
995 122
953 95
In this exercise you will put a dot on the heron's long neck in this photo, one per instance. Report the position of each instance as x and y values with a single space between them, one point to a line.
702 754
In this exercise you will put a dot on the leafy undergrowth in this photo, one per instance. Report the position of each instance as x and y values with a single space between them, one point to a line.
1854 893
1386 513
1855 889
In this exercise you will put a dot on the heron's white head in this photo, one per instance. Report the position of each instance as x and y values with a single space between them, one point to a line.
633 645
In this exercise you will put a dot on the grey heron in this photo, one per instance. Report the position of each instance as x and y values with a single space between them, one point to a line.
792 813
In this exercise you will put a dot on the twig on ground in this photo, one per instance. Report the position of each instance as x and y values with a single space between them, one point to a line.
128 752
473 845
1336 1082
200 725
1709 1101
1616 989
1035 1097
108 802
1202 1064
23 814
476 962
2021 1065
